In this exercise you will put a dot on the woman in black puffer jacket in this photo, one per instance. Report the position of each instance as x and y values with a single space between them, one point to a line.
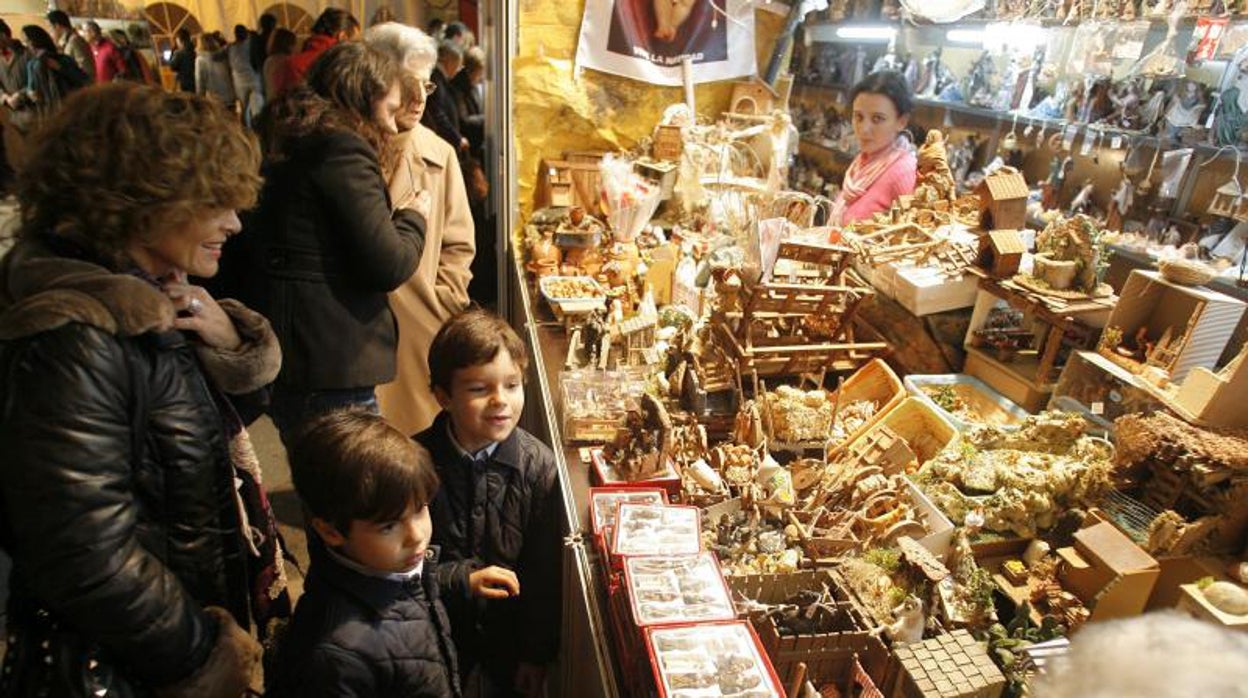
143 547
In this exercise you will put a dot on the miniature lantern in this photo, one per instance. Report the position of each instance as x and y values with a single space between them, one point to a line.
752 97
1003 200
1228 201
1001 253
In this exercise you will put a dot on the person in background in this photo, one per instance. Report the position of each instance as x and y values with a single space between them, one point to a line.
440 114
459 34
436 29
371 621
182 62
885 167
275 66
142 542
327 243
109 65
499 504
332 27
212 76
18 117
50 75
247 88
71 43
137 67
439 288
467 98
469 112
262 43
383 15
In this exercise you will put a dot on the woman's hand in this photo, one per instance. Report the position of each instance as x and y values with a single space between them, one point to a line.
420 201
493 583
205 317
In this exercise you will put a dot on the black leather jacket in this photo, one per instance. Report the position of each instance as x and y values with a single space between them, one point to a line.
116 484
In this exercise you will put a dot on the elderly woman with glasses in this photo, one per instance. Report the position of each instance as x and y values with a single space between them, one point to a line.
427 168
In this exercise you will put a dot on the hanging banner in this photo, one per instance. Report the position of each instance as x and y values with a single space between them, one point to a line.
649 39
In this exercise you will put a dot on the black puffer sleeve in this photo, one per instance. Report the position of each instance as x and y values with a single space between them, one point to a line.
69 514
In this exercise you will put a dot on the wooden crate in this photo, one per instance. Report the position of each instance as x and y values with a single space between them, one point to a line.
829 657
923 428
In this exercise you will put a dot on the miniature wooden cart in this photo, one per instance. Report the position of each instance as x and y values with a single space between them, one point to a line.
793 328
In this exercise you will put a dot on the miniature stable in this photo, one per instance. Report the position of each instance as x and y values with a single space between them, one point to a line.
776 499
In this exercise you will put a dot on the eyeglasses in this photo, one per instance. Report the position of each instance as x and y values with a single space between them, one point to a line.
430 87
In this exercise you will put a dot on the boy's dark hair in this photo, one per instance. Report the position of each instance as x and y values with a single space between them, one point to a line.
58 18
241 32
268 22
352 465
454 29
890 84
472 338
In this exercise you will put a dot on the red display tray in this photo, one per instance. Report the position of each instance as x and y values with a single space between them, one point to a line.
605 476
677 589
709 660
643 529
604 501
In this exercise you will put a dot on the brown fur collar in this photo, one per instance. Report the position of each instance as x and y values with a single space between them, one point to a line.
41 291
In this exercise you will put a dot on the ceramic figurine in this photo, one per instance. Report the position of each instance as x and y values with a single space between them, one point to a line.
1120 203
1185 109
1231 126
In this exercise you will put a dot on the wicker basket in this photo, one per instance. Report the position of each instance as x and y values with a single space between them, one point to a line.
1185 272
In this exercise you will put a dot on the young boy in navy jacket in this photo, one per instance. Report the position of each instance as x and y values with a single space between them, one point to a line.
499 503
371 620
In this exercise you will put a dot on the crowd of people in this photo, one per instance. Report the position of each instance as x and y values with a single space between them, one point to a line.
288 233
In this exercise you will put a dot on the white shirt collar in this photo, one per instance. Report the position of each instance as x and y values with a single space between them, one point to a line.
484 454
350 564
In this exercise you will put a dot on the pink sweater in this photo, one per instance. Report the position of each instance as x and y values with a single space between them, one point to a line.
897 180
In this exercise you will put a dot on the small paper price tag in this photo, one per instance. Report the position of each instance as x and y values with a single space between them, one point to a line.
1098 408
1115 142
1086 148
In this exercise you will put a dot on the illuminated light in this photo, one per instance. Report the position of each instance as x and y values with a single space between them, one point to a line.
866 32
965 36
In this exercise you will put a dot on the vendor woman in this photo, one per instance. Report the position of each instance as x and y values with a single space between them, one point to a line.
885 166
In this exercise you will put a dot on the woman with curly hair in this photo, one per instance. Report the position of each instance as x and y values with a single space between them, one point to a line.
130 501
326 243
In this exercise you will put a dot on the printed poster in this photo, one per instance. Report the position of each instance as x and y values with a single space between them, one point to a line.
648 40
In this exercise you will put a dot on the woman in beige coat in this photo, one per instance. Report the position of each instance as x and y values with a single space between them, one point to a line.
427 169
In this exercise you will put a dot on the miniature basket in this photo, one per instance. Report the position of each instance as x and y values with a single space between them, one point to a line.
1185 272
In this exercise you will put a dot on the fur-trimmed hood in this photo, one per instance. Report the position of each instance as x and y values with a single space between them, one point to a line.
41 291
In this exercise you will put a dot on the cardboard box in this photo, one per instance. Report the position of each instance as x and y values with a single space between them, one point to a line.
924 290
1200 321
1109 573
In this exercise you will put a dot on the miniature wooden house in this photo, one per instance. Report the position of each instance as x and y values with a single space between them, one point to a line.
1227 200
752 97
554 184
1001 253
1003 200
669 143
